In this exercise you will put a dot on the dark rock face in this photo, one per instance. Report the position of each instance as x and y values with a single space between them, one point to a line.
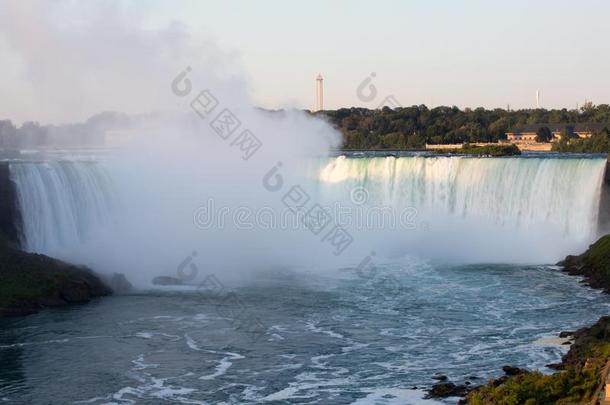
30 282
510 370
584 340
446 390
603 218
10 217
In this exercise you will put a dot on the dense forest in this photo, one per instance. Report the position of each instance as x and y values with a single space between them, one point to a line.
413 127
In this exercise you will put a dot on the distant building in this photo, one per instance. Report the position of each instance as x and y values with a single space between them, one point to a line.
528 133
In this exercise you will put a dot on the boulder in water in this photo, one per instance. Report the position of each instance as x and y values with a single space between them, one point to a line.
166 280
510 370
446 390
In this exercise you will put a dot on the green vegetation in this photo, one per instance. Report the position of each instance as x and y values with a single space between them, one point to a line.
598 257
594 264
485 150
583 367
567 387
544 134
413 127
598 143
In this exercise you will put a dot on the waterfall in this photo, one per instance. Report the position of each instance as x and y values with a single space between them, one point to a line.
511 193
474 209
61 202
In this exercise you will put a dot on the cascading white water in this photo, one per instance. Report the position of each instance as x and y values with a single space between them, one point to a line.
557 198
61 202
542 208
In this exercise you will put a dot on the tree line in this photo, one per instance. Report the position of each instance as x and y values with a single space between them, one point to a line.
413 127
363 129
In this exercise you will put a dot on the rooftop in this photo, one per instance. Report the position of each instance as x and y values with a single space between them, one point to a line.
574 127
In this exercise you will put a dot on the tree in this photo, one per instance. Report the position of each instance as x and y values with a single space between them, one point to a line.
544 135
568 133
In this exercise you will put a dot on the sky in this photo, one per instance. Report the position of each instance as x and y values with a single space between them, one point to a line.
468 53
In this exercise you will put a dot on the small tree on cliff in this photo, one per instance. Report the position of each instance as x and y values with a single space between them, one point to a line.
544 135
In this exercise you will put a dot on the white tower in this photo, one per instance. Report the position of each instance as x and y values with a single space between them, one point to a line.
537 98
319 101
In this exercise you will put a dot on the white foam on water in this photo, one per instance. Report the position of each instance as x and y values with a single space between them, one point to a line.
224 364
150 387
150 335
395 396
190 342
311 325
554 341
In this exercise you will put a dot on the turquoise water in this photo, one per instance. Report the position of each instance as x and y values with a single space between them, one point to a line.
334 338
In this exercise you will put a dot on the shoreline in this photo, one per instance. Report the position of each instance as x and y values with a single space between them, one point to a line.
583 370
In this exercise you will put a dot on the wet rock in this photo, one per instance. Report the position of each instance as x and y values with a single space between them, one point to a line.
439 377
566 334
446 390
75 292
510 370
555 366
166 280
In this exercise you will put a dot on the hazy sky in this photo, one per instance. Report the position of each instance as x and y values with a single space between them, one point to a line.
469 53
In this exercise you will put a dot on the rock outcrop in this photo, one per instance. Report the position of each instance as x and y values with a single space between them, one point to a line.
593 265
10 217
30 282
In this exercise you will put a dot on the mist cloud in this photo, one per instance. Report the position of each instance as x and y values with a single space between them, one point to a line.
65 61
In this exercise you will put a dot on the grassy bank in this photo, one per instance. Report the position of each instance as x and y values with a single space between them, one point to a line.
593 265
